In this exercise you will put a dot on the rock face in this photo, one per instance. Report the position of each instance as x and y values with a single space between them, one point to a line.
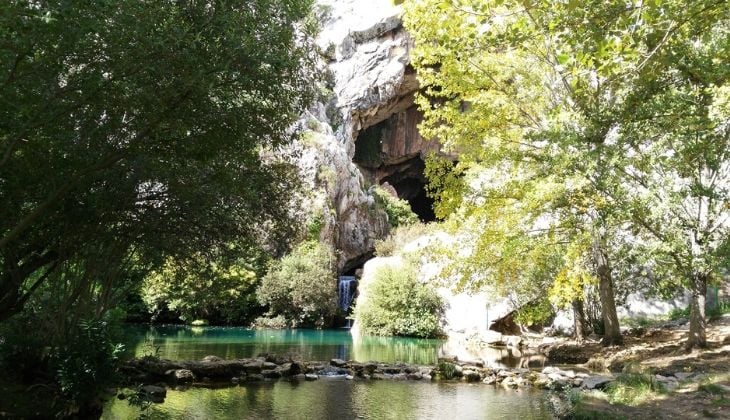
363 129
464 312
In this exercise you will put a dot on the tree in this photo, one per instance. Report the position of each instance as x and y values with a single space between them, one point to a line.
678 180
494 94
211 289
550 93
139 126
301 286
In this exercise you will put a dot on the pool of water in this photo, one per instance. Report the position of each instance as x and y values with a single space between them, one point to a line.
194 343
341 399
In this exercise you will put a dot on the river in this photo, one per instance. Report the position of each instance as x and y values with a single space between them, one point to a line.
326 398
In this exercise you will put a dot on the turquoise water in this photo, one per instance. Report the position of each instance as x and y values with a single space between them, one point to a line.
194 343
326 398
341 399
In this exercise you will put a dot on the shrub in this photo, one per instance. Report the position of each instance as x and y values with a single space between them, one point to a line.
301 286
399 211
270 323
448 370
202 288
87 363
398 304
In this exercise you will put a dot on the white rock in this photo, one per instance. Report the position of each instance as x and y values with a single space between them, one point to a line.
596 382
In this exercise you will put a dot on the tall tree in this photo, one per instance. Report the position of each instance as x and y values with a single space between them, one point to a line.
141 123
548 93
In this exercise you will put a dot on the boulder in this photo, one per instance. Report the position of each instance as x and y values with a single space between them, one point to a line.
489 380
492 338
596 382
512 340
550 369
311 377
510 382
683 376
542 381
211 359
153 393
471 376
338 362
253 367
556 377
271 374
183 376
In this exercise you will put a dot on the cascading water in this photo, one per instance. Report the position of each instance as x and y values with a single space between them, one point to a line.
345 289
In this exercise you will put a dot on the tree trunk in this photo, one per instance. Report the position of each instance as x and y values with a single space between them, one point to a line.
697 321
579 320
612 333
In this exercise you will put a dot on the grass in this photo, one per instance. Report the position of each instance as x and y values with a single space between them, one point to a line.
447 370
633 389
589 406
713 389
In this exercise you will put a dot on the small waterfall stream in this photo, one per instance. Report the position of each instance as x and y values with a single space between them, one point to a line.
345 291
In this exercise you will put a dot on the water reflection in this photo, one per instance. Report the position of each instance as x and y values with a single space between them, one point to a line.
186 343
191 343
331 399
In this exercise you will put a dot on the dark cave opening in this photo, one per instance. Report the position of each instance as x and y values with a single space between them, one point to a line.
410 184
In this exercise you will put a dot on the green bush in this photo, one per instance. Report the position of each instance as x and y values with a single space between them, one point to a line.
270 323
448 370
301 286
87 363
399 211
201 288
398 304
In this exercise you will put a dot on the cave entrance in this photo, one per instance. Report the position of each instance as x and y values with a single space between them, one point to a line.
409 182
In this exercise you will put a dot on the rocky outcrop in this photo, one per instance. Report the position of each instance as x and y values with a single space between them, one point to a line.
366 62
363 129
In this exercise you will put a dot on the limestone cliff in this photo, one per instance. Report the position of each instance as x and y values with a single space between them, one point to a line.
363 130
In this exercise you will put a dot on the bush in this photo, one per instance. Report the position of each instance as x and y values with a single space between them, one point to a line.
270 323
301 287
398 304
87 363
22 353
399 211
200 288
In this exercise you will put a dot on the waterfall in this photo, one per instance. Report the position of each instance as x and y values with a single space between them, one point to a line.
345 288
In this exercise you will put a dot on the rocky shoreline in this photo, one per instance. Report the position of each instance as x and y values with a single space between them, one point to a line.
153 376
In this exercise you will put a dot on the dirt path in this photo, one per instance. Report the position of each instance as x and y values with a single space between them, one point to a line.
705 395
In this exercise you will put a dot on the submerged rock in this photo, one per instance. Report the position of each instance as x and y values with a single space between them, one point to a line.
153 393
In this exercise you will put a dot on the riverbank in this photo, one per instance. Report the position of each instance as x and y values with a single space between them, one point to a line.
654 376
650 376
